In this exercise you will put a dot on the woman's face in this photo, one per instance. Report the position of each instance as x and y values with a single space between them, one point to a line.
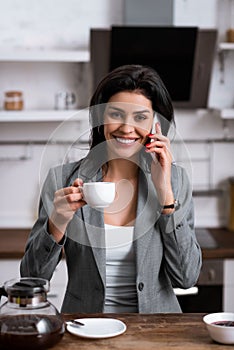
128 119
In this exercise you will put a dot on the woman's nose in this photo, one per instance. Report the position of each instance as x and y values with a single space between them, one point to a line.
127 128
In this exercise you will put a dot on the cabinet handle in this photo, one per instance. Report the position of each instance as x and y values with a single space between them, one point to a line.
211 275
26 156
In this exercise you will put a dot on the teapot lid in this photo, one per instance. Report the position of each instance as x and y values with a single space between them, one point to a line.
26 287
27 291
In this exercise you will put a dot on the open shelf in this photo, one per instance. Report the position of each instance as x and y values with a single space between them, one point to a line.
226 46
44 55
223 49
43 115
227 113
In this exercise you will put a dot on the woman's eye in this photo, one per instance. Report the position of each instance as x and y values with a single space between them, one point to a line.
140 117
116 115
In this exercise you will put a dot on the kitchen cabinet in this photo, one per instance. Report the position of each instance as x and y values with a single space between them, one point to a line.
228 285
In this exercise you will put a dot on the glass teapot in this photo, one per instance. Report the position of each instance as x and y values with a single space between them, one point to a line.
27 319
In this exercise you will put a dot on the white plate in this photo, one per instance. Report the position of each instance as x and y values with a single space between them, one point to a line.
98 328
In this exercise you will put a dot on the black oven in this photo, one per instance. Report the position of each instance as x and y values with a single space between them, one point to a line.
208 295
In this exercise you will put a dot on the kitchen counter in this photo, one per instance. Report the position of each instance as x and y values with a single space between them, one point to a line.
224 244
151 331
13 244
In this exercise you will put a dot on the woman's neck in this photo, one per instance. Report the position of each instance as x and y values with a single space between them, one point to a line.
122 212
118 169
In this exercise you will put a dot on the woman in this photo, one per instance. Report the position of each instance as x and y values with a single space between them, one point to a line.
129 256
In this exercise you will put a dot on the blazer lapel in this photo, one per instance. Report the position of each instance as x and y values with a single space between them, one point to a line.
93 218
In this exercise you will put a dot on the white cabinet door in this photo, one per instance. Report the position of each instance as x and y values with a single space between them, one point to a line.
228 297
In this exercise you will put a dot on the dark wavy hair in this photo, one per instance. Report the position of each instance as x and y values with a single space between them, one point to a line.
129 78
138 78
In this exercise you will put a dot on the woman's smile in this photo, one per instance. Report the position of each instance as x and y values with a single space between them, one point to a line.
125 141
128 120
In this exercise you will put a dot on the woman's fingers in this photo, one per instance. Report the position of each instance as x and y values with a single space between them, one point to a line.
158 147
66 202
70 195
78 182
73 189
158 128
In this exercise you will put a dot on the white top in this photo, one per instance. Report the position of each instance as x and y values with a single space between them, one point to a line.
121 295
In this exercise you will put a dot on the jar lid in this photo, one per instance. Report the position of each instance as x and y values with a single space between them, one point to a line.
13 93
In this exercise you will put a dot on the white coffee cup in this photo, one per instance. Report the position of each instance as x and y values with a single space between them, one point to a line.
99 194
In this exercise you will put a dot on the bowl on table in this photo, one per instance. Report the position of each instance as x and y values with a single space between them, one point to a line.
220 326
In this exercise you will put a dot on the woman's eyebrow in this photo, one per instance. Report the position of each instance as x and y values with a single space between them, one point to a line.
142 111
123 111
116 109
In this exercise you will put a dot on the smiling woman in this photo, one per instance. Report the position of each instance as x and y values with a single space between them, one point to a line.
126 257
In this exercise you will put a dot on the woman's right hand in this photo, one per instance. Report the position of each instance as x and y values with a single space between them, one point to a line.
66 202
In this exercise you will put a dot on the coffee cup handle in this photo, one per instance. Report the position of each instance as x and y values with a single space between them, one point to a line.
82 191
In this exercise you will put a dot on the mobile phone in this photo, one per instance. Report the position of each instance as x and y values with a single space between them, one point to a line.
155 119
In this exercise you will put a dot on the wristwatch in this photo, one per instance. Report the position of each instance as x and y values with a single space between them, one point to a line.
171 206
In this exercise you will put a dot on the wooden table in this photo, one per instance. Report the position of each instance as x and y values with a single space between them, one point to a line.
144 332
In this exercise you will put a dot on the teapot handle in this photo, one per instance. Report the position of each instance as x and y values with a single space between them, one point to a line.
3 292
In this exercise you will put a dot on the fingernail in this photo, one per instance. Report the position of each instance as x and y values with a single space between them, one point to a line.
147 145
150 135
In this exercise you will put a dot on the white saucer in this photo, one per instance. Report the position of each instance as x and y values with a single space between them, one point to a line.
98 328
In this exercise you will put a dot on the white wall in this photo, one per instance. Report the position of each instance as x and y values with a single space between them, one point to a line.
51 24
54 23
65 24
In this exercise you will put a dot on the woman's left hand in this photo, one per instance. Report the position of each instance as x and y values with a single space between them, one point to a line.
159 147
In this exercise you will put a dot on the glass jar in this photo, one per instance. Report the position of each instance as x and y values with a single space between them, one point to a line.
13 101
65 100
28 320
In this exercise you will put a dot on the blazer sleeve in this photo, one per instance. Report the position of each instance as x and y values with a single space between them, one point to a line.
182 252
42 252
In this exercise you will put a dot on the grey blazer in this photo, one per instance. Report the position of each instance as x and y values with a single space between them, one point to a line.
166 250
